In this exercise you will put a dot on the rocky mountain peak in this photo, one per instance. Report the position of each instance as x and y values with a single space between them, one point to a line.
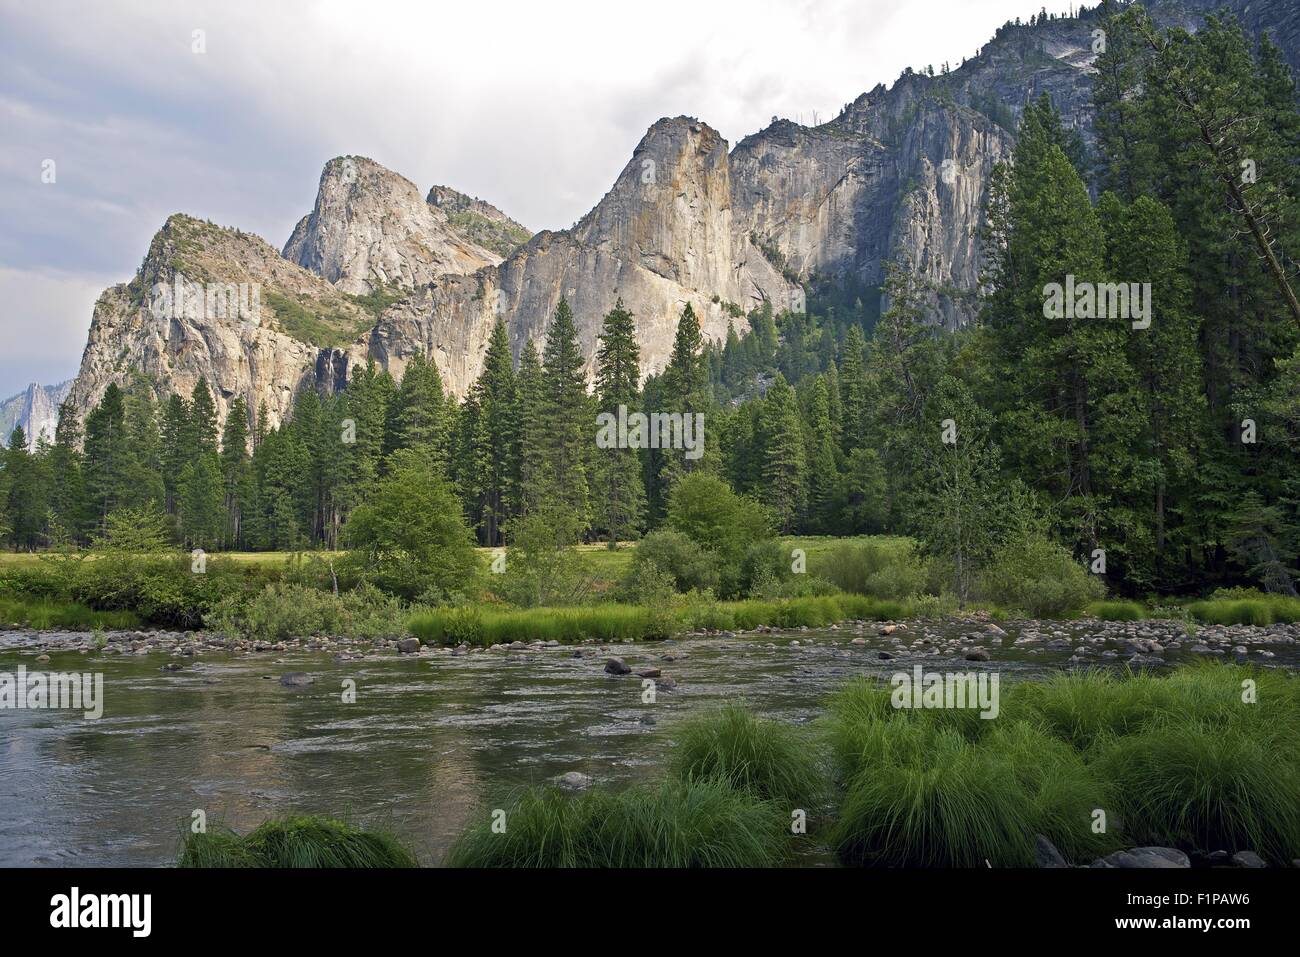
370 229
35 410
661 237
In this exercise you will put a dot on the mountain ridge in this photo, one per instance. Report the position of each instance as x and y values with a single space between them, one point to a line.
377 272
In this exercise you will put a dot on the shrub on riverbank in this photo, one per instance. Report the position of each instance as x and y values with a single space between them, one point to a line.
888 568
295 842
769 759
289 610
1039 577
703 823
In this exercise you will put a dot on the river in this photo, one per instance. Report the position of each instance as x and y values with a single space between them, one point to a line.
429 740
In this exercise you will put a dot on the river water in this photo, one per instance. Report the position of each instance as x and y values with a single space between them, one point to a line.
429 740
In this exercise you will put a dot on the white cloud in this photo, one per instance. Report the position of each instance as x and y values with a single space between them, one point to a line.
43 325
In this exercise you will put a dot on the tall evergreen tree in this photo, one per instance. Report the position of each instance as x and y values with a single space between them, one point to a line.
620 495
107 456
784 469
494 440
234 471
568 416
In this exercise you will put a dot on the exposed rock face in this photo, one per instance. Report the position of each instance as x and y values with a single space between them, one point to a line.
371 229
35 410
264 349
896 176
662 236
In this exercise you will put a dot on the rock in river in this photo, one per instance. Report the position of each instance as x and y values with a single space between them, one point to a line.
574 780
615 666
296 679
1145 857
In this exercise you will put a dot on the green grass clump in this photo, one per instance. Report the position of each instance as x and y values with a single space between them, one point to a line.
1207 787
1117 611
958 803
1264 610
312 842
947 788
768 759
219 847
703 823
614 622
489 626
1204 758
47 613
1088 708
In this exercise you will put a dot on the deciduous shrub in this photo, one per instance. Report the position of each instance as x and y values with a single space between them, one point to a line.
1039 577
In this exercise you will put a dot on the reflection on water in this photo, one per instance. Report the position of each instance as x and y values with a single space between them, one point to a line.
428 742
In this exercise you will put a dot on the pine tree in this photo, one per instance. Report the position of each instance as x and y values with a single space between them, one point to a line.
203 416
234 471
532 437
199 496
1068 415
784 463
853 392
620 496
823 470
683 390
145 489
26 497
568 417
178 446
68 506
421 414
494 441
107 456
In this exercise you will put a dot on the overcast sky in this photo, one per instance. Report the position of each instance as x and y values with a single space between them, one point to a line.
532 106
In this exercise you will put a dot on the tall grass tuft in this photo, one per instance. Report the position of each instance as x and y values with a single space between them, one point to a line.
1264 610
297 842
1117 611
676 824
611 622
45 614
767 759
1207 787
218 847
960 807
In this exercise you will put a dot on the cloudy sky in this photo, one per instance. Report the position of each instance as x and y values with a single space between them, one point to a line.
534 107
